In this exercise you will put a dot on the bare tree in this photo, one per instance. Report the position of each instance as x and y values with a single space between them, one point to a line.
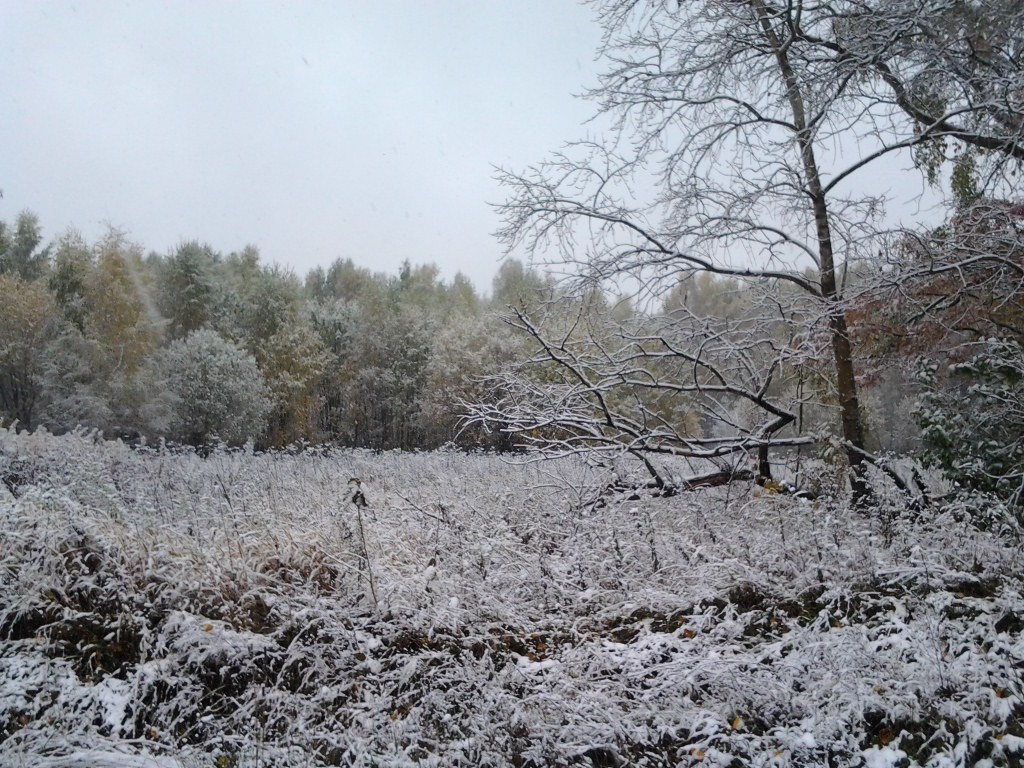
674 384
956 69
741 138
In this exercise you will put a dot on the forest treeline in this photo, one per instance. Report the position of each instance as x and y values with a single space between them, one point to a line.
200 348
196 347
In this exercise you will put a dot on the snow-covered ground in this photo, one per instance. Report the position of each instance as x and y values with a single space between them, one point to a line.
168 610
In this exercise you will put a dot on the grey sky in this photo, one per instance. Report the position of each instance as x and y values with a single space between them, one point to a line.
314 130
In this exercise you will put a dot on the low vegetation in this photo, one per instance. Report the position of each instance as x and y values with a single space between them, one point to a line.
159 608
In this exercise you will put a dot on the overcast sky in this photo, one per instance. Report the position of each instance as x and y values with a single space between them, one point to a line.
314 130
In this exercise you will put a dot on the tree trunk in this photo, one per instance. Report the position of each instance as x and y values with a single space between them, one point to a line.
842 351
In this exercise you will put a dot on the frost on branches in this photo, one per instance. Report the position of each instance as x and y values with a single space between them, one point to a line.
743 139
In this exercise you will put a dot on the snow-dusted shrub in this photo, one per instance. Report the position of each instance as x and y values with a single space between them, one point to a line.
216 388
972 422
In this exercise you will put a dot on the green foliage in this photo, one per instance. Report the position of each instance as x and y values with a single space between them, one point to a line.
930 156
378 361
345 281
973 424
70 276
194 346
461 350
964 181
186 288
255 301
518 286
20 252
377 378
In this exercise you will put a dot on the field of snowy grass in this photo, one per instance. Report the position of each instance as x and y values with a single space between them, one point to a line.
161 609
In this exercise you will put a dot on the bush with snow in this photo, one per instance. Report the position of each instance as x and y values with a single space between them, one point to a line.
973 427
216 390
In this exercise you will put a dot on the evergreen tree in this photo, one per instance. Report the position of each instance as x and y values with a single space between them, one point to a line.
186 288
20 252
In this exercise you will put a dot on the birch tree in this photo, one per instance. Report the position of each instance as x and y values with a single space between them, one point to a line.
742 137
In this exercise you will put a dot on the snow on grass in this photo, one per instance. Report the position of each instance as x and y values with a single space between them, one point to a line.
165 609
